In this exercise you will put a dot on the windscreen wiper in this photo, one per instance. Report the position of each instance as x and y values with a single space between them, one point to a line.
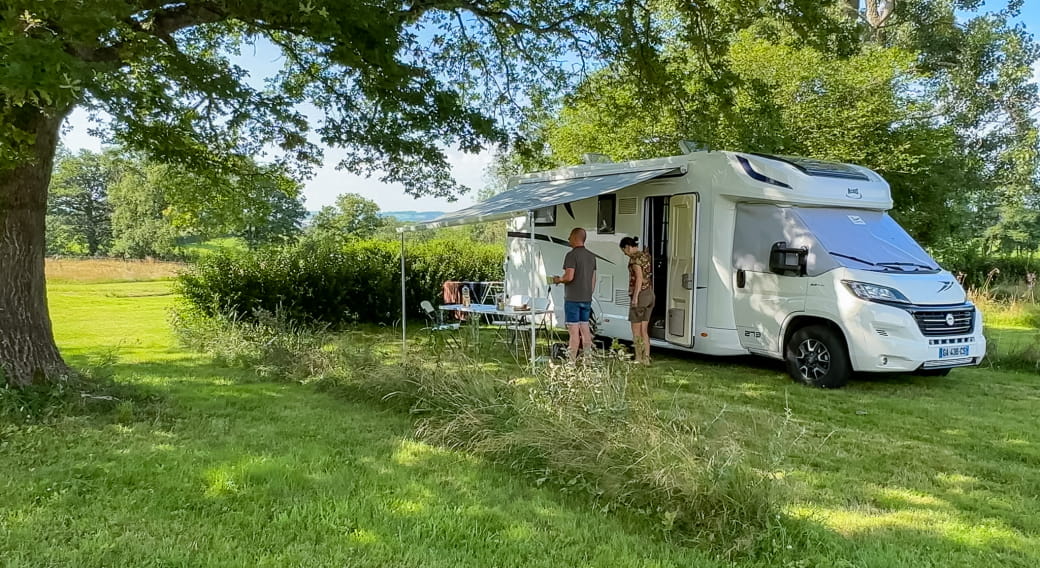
854 258
914 264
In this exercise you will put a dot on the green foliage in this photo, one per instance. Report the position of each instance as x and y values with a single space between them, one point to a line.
139 222
79 215
787 100
977 269
157 208
353 217
319 282
944 111
272 216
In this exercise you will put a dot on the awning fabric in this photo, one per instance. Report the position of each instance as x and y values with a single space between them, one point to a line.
535 195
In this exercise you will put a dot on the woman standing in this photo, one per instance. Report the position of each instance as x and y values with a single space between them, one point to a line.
641 292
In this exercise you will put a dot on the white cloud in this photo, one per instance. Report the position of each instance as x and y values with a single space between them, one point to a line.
323 188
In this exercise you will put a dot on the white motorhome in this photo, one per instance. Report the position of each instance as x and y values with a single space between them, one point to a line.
789 258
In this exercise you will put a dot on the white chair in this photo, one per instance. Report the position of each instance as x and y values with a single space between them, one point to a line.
437 325
521 327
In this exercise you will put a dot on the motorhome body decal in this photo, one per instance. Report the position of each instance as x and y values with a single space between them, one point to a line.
551 239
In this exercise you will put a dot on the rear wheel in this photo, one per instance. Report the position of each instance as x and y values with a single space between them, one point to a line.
816 356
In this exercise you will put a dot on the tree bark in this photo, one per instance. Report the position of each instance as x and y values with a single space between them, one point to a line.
28 353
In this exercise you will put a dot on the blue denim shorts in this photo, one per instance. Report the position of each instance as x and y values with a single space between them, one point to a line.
576 312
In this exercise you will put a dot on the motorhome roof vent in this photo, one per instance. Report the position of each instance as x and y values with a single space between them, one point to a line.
626 206
821 168
593 158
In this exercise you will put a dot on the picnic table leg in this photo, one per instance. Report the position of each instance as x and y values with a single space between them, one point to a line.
533 336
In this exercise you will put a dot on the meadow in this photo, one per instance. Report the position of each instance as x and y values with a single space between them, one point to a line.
216 466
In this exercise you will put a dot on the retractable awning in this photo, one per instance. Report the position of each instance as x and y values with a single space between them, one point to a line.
538 194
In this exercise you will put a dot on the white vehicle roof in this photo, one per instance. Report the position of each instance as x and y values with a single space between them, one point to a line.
742 176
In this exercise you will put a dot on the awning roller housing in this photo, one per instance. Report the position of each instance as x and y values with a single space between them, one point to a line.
538 194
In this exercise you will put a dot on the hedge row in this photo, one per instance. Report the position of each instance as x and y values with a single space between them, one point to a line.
976 267
315 283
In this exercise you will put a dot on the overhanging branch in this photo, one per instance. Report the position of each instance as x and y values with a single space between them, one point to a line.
162 24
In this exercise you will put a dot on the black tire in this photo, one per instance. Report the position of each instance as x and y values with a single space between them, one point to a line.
816 356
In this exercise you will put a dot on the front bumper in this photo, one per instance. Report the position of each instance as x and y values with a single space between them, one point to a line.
885 338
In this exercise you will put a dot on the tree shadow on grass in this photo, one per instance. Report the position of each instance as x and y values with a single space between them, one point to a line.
904 470
275 474
241 471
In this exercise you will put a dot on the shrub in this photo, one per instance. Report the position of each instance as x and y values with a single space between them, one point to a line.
318 283
974 268
1012 326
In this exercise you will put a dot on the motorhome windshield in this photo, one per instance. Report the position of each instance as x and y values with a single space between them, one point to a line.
867 240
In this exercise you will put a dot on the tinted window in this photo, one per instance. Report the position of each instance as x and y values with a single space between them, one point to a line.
545 217
605 214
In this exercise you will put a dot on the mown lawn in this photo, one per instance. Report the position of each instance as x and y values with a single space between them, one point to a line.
224 469
893 470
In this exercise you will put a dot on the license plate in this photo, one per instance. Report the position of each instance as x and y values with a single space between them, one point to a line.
947 352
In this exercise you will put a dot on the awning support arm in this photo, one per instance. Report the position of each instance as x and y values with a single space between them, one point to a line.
404 316
530 224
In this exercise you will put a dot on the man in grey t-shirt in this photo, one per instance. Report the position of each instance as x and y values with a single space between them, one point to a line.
579 278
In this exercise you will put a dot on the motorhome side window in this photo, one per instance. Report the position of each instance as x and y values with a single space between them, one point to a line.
545 217
605 214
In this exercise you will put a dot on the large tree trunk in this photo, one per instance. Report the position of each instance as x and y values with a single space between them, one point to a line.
28 353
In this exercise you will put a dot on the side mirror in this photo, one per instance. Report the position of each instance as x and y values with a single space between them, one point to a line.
786 260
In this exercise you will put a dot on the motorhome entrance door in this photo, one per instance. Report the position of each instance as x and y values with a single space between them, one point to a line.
682 236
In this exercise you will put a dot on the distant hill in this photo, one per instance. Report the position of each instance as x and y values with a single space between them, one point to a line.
412 216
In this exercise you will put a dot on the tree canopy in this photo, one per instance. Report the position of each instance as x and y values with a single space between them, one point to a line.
392 82
944 109
353 217
79 215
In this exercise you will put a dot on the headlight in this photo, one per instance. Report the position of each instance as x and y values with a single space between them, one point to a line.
874 292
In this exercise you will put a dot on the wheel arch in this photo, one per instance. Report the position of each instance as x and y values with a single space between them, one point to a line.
801 321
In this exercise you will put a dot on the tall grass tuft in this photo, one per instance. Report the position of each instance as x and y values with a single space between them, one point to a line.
1012 316
268 344
591 428
87 390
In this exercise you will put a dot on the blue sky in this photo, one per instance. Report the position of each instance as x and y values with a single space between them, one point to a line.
469 169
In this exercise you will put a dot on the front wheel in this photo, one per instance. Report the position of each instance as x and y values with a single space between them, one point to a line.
816 356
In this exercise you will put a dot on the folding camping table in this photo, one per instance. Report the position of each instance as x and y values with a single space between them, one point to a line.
493 310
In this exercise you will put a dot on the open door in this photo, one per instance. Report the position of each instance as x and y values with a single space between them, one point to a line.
682 237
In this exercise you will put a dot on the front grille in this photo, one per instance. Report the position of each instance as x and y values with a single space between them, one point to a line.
938 323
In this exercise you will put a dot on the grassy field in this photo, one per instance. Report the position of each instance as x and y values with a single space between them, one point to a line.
92 270
224 469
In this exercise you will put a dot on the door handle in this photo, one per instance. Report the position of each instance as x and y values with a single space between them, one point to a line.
687 281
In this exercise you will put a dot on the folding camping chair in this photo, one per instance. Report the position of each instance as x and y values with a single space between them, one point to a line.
521 326
437 327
